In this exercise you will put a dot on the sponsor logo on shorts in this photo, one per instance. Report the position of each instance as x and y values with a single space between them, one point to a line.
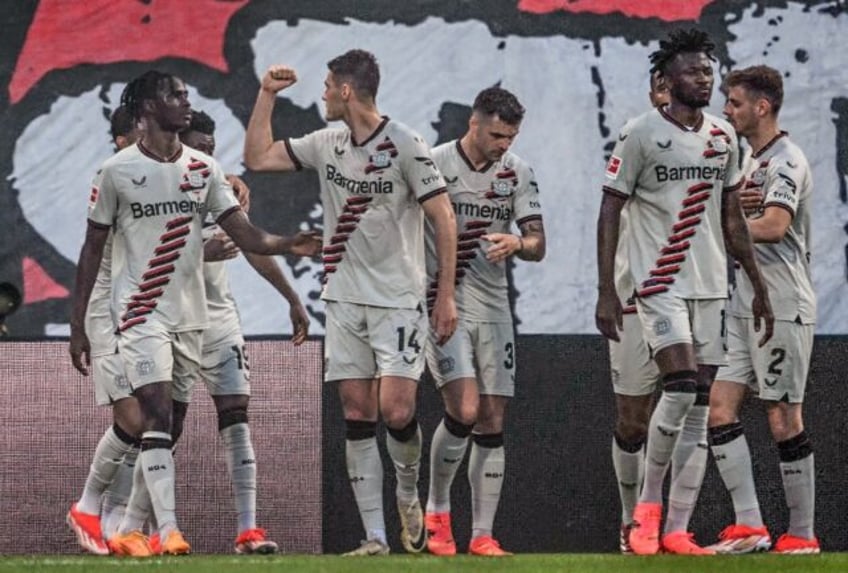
446 365
144 367
662 326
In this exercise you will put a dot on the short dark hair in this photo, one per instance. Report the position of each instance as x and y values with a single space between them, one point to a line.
121 122
760 81
500 102
201 123
360 69
692 41
144 87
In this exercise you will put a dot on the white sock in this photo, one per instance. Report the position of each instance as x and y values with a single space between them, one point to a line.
629 473
446 454
407 461
139 508
733 460
663 432
690 457
485 473
117 495
241 463
365 470
158 466
107 459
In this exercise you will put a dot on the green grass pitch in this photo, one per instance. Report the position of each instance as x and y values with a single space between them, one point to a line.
571 563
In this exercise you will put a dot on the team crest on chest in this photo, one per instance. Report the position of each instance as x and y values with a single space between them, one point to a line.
195 179
382 156
504 184
719 143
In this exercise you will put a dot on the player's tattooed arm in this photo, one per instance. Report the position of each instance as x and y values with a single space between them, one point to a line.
530 246
608 311
87 268
268 268
737 240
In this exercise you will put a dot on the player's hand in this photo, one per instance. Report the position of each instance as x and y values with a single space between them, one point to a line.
443 318
503 245
241 190
751 201
300 323
608 316
80 350
278 78
763 314
306 244
219 248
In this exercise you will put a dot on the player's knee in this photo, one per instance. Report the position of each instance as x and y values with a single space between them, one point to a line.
397 415
721 415
458 428
681 382
631 433
231 417
465 414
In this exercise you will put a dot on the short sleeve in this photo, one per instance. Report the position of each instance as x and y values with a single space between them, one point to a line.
526 204
103 200
306 151
420 171
625 163
220 198
783 180
734 175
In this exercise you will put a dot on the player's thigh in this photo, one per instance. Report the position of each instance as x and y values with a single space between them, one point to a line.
782 365
634 372
188 347
225 369
494 352
708 330
398 337
454 360
347 348
110 380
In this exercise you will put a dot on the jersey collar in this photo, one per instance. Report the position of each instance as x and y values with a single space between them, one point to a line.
770 144
468 162
155 157
373 135
696 128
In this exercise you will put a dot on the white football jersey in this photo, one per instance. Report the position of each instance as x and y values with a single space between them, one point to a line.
373 222
488 200
224 320
158 206
780 170
99 317
674 177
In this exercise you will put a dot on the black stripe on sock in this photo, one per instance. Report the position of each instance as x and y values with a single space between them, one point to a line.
629 447
457 428
155 443
681 381
489 440
702 396
726 433
406 433
360 429
231 417
795 448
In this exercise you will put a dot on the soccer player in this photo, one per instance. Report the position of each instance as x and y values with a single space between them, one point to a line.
377 181
110 476
634 374
490 188
153 193
779 189
680 169
224 365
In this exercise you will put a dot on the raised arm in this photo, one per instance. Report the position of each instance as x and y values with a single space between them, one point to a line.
440 213
254 240
608 310
87 267
737 240
268 268
261 152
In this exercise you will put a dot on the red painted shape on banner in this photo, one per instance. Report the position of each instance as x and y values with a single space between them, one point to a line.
66 34
38 285
668 10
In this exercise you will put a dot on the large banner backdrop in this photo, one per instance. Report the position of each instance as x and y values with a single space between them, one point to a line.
579 66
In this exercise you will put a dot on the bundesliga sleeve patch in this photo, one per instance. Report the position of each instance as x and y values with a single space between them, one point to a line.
92 199
613 167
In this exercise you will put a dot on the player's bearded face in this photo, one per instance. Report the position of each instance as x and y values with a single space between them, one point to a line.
172 109
493 137
691 80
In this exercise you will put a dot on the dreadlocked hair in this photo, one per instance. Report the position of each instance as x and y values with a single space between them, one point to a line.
681 42
142 88
201 123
